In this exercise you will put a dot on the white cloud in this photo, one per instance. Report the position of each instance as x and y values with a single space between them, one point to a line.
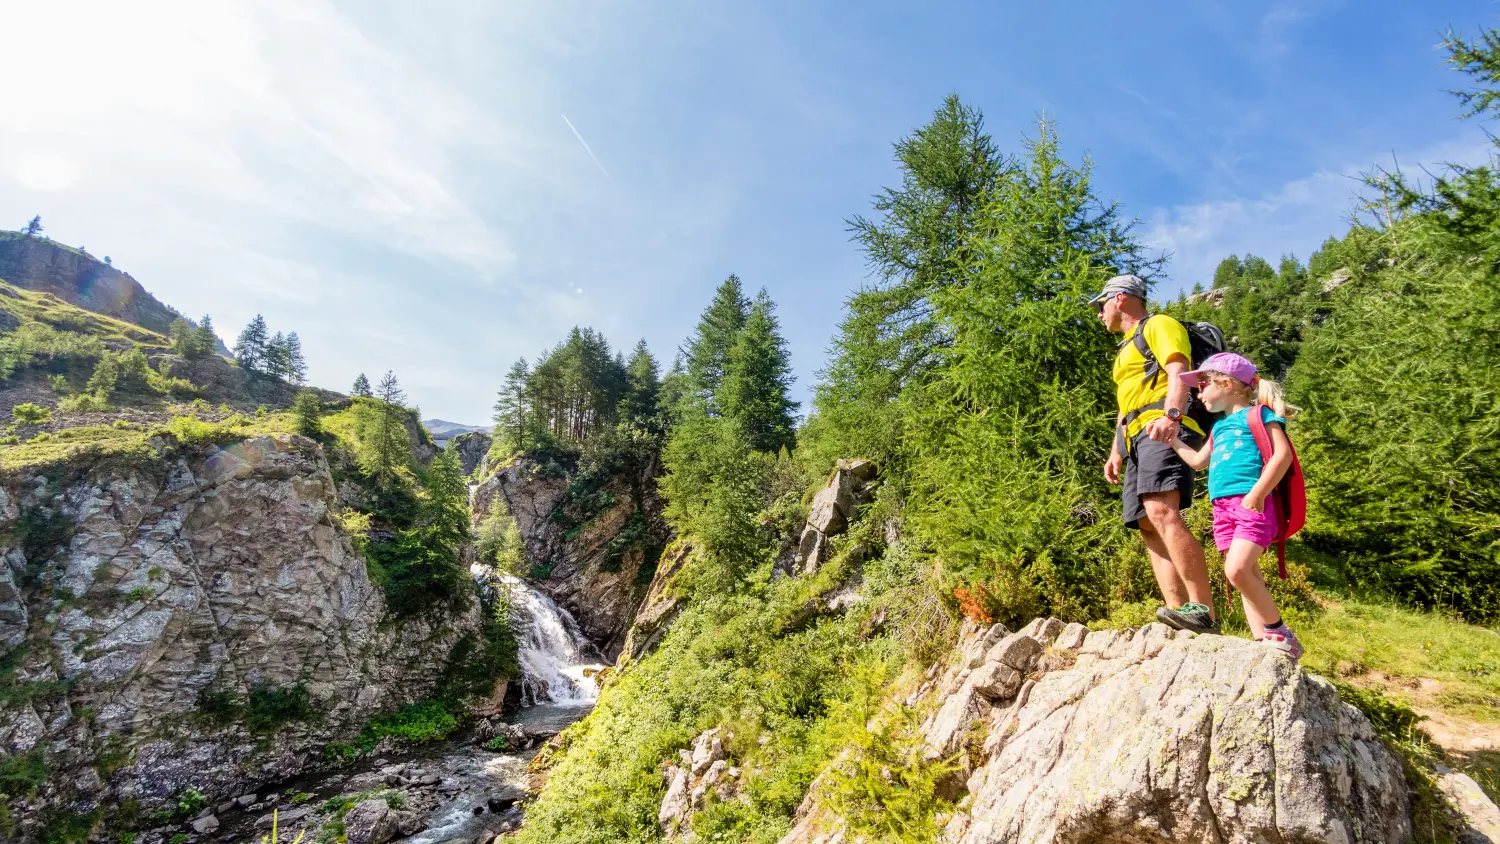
1295 217
281 107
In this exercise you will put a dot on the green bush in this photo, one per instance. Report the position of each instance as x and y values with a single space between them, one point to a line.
270 707
419 722
27 413
21 775
84 403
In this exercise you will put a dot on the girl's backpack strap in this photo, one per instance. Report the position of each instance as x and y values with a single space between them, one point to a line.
1256 418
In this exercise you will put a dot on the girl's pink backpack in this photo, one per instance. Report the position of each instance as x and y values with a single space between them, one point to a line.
1290 493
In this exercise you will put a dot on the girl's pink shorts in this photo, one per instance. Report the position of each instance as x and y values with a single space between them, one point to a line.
1232 521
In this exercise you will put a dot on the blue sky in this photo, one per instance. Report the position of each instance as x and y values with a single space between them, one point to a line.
440 188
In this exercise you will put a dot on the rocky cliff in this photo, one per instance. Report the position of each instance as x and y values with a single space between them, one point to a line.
1153 735
472 448
79 278
593 551
193 620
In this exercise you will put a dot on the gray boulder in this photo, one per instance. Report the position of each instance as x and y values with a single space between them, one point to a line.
370 822
1207 739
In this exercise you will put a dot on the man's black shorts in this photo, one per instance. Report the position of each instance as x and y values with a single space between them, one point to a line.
1150 467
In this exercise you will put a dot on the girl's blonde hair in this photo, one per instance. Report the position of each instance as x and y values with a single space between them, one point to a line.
1270 394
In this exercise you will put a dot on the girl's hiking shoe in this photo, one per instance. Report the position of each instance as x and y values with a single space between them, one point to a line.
1283 639
1190 616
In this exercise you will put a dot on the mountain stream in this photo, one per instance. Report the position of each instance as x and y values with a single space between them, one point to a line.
461 789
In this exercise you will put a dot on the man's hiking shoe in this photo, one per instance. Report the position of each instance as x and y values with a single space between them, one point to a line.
1194 617
1283 639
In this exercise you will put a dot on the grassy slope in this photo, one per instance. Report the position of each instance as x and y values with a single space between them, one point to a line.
32 307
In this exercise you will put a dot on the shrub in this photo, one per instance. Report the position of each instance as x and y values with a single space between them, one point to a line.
271 707
419 722
84 403
23 774
27 413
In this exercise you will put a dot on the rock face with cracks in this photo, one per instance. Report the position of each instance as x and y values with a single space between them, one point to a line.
578 558
144 606
1148 736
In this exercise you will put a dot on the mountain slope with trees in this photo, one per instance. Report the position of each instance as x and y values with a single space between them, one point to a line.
972 371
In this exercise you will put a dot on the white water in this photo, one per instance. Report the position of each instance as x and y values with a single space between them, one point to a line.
554 655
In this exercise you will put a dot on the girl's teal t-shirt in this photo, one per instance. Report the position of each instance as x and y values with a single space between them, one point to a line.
1236 463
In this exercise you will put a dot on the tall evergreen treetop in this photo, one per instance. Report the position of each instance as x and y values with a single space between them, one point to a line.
361 386
296 365
639 405
757 380
204 342
707 350
251 347
511 420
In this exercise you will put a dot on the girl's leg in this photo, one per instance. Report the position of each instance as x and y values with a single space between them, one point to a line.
1242 567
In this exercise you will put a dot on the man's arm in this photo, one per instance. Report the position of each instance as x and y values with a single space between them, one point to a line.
1164 429
1112 465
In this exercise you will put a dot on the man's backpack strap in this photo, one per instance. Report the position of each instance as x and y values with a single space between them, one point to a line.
1153 367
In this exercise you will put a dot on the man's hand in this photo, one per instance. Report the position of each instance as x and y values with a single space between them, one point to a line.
1162 429
1112 467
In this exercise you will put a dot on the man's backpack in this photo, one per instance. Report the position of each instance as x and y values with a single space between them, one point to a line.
1204 341
1290 492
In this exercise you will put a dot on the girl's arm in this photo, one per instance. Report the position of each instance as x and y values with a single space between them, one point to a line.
1270 476
1196 460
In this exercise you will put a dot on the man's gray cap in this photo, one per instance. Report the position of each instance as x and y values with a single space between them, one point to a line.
1131 284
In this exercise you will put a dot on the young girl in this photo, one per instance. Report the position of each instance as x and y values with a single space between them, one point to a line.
1240 482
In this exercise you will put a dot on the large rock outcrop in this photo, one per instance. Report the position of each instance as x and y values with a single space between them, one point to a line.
1066 735
145 605
594 557
472 447
833 508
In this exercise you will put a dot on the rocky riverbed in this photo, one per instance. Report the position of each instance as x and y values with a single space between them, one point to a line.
450 791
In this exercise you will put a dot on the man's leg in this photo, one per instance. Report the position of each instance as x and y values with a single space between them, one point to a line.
1178 544
1172 590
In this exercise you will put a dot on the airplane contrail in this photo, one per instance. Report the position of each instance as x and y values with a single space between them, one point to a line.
587 149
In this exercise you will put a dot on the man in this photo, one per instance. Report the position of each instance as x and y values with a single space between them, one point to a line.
1158 485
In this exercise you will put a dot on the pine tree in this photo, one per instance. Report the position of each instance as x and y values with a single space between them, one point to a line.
34 227
204 342
278 358
182 336
251 347
757 379
361 386
639 406
391 448
511 417
308 410
919 242
296 368
707 350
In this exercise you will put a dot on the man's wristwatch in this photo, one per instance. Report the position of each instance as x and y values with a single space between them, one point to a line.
1174 414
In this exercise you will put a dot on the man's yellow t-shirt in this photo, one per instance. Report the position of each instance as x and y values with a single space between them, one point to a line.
1133 389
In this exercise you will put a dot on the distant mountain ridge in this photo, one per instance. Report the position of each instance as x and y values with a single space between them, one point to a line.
78 278
441 429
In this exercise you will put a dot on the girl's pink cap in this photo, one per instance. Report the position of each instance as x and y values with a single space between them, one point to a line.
1229 363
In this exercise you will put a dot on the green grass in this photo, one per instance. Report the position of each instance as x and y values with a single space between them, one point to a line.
1368 636
30 306
93 443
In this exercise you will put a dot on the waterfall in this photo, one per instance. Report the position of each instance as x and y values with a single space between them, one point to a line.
557 662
